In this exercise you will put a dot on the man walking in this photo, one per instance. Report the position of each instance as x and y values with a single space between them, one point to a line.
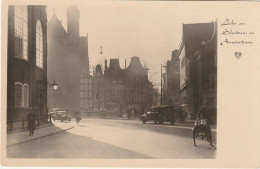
31 122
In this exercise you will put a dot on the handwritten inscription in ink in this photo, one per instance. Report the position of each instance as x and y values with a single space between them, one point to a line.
235 33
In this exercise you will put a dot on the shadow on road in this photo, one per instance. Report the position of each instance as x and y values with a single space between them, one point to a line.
69 145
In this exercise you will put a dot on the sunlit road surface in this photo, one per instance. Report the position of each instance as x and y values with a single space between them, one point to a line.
103 138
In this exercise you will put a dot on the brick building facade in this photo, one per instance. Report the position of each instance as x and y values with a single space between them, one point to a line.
198 67
116 90
27 63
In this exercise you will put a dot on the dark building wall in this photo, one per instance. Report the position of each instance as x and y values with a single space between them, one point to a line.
26 71
200 53
171 84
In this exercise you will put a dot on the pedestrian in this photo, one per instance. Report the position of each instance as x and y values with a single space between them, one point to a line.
205 113
77 115
133 113
31 122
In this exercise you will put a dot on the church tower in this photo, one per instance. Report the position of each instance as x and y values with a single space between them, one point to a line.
73 22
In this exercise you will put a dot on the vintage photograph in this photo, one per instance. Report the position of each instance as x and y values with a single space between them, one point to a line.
111 80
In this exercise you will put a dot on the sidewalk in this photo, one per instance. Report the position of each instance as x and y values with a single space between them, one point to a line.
26 129
15 138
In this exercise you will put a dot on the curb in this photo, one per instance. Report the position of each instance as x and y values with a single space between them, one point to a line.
40 137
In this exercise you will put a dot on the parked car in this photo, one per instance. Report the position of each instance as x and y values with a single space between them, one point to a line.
159 114
60 114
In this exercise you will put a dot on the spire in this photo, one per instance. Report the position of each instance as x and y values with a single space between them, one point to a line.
101 50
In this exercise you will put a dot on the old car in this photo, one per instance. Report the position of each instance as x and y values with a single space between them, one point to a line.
159 114
60 114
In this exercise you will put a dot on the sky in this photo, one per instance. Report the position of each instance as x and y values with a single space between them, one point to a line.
149 30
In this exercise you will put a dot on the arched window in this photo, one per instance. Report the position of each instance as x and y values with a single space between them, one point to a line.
18 94
39 46
21 32
21 95
26 95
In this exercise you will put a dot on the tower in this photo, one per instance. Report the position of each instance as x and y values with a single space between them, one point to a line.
73 22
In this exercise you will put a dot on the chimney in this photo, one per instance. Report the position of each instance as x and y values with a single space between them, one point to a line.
105 64
114 64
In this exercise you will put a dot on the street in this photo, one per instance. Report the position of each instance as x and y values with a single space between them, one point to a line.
108 138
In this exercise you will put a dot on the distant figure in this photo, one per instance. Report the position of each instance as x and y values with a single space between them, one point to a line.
77 116
132 114
31 122
205 113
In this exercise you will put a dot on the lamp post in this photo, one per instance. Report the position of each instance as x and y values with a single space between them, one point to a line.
54 86
162 91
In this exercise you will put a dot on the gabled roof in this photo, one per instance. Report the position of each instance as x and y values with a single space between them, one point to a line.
55 25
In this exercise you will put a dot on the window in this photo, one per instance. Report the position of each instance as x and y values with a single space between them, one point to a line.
39 47
21 95
18 95
86 87
21 32
26 95
81 95
86 103
182 63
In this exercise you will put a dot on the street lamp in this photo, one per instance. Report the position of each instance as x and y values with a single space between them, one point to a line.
53 85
